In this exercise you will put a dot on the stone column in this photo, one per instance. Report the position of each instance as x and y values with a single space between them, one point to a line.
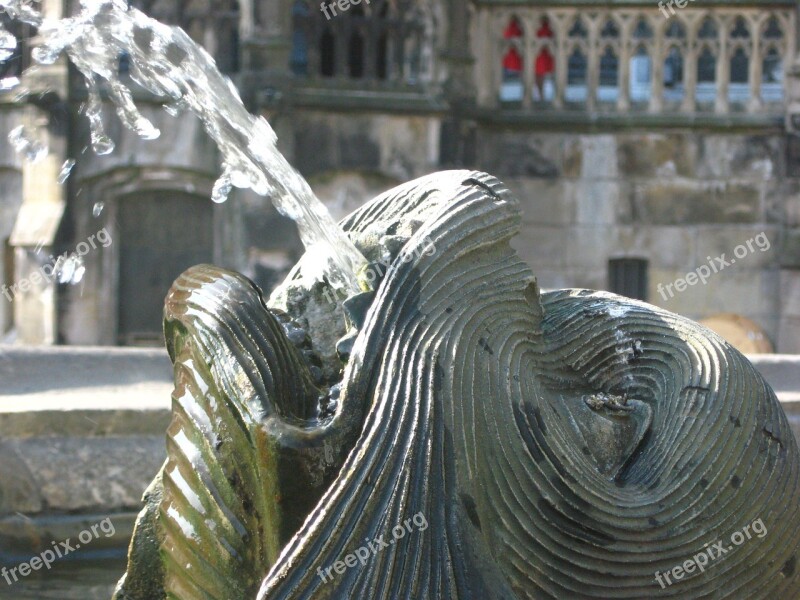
593 63
267 40
34 287
756 65
723 67
625 52
660 52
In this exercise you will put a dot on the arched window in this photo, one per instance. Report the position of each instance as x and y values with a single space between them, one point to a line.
706 77
608 88
512 86
772 77
356 47
772 41
708 29
641 70
576 77
544 66
300 34
577 63
641 76
738 87
380 40
674 90
327 52
739 74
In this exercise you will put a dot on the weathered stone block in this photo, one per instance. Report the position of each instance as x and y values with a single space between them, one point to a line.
790 249
601 202
736 243
589 248
790 293
408 146
747 292
740 156
789 336
691 203
573 157
657 155
542 247
664 247
599 157
19 491
521 155
80 474
544 201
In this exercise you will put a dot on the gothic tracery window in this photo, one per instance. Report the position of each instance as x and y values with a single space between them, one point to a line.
716 59
383 40
512 89
214 24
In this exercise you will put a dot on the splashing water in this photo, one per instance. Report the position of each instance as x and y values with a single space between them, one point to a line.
69 270
165 61
8 43
66 170
25 142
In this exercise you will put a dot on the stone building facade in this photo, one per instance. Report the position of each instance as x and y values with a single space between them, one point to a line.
642 141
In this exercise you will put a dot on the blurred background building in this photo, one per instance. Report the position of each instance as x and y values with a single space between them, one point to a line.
641 144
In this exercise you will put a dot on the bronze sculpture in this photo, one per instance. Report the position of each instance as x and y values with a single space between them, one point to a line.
569 444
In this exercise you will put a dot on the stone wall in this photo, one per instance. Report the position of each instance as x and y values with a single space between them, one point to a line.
81 436
674 198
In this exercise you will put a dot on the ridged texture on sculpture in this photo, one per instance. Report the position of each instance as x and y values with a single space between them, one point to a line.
559 445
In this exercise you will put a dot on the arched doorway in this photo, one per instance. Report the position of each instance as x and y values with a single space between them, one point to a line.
160 235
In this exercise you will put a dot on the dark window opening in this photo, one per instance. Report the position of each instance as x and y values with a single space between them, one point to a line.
328 54
382 57
628 277
355 59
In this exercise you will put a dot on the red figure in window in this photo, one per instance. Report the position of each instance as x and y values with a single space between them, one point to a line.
512 62
545 64
513 30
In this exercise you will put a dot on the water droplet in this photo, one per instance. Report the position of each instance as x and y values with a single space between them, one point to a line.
103 145
66 170
8 44
9 83
70 269
222 189
25 142
97 210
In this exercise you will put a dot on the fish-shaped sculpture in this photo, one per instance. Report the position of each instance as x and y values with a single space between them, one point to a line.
456 433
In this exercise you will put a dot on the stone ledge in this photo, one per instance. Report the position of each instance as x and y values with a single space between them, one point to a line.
23 537
84 392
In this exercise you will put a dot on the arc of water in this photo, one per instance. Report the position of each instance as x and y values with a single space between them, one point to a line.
168 63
